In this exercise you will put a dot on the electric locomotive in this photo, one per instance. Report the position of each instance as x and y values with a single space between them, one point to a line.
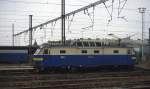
82 53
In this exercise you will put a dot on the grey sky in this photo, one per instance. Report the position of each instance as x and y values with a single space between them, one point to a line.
17 11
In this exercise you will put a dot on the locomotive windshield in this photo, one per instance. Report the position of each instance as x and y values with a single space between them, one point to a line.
37 51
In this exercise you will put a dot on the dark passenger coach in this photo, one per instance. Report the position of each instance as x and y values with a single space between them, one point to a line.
14 54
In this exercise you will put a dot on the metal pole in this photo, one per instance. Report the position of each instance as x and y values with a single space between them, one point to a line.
13 35
142 38
30 30
30 38
142 11
149 41
63 21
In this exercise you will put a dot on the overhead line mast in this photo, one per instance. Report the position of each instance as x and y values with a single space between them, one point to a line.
63 22
13 41
142 11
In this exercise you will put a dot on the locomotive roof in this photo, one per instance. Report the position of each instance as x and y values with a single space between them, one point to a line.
83 43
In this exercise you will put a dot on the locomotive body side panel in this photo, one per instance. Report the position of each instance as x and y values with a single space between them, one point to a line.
83 57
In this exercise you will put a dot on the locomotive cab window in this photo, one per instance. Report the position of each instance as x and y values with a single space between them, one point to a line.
96 51
84 51
62 51
45 51
37 51
115 51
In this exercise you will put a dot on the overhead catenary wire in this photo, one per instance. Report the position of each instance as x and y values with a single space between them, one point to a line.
85 21
3 11
100 25
108 11
70 22
121 8
91 16
53 27
73 12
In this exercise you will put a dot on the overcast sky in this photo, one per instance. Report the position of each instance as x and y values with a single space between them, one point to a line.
16 12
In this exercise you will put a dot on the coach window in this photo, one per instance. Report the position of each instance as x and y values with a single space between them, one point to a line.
84 51
62 51
45 51
116 51
96 51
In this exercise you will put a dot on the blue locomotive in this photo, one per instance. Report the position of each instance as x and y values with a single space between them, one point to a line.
82 53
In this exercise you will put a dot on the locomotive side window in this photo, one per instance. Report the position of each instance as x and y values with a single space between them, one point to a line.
96 51
45 51
129 52
115 51
84 51
62 51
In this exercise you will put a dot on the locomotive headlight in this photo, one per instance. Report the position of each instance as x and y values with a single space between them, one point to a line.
37 59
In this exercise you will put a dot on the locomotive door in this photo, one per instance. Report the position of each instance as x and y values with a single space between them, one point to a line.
63 57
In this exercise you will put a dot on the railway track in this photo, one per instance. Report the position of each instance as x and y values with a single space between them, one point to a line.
15 70
79 83
130 79
29 75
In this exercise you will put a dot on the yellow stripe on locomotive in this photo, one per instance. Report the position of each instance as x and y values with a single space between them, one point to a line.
37 59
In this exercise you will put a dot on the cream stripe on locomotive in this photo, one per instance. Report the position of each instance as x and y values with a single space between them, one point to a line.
85 51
